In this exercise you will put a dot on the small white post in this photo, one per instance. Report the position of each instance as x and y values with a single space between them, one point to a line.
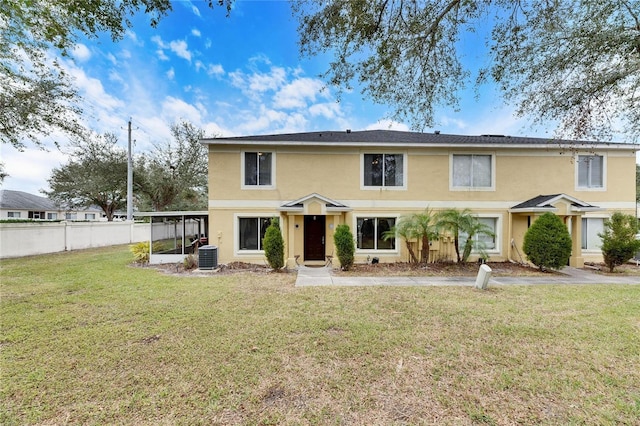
484 274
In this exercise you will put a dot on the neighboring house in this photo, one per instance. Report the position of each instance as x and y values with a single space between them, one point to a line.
368 180
22 205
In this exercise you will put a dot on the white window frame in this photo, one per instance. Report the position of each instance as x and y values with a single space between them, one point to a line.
405 172
452 187
236 231
89 216
13 215
597 249
52 216
377 215
498 233
578 161
273 171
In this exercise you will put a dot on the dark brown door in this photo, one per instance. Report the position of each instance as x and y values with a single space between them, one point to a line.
314 237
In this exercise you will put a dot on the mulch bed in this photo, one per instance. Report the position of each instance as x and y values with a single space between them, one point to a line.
443 269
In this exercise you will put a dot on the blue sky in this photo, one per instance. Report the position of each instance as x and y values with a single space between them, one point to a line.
237 75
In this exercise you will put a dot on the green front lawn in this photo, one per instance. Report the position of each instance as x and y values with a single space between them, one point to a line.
87 339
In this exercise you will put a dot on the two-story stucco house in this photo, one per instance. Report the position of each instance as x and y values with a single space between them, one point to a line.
368 180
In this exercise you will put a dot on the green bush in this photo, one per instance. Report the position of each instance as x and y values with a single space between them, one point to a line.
547 242
619 242
273 245
190 262
345 246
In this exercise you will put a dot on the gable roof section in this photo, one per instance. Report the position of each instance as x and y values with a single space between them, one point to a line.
298 205
398 138
20 200
544 203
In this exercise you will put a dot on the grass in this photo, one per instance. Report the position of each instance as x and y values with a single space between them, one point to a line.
86 339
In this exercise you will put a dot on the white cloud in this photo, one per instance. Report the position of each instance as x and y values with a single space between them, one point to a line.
174 109
199 65
134 38
297 93
161 55
195 10
81 52
216 69
208 43
196 32
253 85
30 169
385 124
180 48
329 110
171 74
112 58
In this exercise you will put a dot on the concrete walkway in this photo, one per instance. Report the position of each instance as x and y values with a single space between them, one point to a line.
309 277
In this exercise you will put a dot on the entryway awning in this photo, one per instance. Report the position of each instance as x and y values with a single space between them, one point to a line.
554 203
302 205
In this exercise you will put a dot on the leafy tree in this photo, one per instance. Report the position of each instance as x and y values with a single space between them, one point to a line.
571 62
95 175
273 245
345 246
420 226
174 176
36 96
547 242
619 242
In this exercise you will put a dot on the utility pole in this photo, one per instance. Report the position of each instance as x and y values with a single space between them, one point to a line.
129 177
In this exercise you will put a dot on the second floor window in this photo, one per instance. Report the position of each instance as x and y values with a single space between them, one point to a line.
383 170
590 171
472 171
258 168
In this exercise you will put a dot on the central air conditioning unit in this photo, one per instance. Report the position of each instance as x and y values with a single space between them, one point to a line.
208 257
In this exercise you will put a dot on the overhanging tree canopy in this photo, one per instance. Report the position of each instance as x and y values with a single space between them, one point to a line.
574 63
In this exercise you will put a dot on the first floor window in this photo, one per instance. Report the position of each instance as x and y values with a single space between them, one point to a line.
590 171
36 215
70 216
371 232
90 216
591 227
14 215
251 232
257 168
52 216
471 171
383 170
481 241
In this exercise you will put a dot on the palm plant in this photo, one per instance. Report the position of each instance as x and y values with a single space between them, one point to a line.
419 226
454 221
462 222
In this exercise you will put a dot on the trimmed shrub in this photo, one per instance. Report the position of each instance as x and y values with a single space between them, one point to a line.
619 242
345 246
273 245
140 252
547 242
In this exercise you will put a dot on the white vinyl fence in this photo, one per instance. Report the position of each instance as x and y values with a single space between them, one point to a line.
29 238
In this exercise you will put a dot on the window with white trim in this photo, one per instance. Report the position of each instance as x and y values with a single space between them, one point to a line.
591 227
251 232
14 215
371 231
258 169
590 171
482 241
52 216
472 171
90 216
71 216
383 170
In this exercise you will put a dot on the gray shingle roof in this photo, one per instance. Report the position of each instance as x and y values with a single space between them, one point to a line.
20 200
368 137
545 202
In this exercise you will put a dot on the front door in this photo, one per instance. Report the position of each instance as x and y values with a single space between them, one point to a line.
314 229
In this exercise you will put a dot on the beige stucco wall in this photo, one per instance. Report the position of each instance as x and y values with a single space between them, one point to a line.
335 173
